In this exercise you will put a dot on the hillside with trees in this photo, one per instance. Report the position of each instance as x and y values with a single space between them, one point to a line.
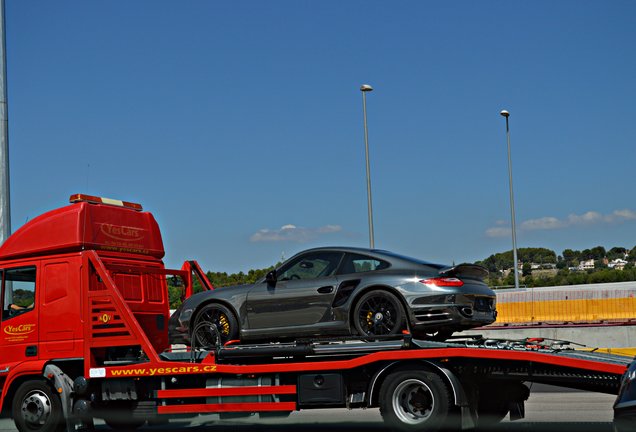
543 267
503 260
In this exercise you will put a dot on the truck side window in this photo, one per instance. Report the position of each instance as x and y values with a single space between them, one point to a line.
18 287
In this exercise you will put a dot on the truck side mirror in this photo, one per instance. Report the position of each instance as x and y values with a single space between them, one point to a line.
271 278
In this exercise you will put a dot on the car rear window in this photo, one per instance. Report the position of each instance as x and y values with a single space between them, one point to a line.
356 263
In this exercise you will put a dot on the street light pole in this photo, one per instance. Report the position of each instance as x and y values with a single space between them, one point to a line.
506 114
364 89
5 197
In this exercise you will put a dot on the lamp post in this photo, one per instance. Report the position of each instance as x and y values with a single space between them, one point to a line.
5 201
506 114
364 89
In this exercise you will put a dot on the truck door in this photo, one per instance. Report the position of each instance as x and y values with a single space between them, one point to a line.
19 316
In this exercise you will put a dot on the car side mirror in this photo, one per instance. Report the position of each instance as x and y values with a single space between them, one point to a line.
271 278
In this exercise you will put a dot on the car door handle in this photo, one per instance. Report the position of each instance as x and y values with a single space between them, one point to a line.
325 289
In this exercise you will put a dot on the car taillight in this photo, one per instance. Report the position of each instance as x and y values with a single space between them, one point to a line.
443 282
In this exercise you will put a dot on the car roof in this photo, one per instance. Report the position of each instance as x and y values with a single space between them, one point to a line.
393 257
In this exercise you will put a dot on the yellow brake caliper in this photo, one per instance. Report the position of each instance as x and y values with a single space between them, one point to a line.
225 326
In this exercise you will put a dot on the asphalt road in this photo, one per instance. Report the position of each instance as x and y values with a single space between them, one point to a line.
559 411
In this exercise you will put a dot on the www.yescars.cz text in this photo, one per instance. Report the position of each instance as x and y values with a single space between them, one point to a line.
170 370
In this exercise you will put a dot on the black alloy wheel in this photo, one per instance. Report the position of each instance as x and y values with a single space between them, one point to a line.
214 321
378 313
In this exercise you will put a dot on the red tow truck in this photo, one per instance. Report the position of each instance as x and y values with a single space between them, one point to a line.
84 334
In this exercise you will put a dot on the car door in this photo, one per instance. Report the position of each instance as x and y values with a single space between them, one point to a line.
301 296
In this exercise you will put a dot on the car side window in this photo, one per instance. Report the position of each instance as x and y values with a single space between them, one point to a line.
356 263
311 266
18 291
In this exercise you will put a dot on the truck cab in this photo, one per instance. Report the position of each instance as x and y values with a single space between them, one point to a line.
54 271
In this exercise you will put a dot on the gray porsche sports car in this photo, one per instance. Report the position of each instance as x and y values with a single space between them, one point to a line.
340 291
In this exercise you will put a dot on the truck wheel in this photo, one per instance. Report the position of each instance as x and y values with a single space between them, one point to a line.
219 316
36 408
624 423
378 313
414 400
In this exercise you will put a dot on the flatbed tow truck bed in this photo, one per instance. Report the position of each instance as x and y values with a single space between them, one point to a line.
483 377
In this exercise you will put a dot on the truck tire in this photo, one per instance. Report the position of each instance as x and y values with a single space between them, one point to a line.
414 401
624 423
37 408
218 315
378 313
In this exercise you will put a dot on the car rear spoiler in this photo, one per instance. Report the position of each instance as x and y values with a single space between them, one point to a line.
472 271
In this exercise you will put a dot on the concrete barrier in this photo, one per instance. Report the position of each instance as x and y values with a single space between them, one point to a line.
578 304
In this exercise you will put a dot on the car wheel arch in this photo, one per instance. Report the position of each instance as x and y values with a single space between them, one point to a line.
362 291
221 302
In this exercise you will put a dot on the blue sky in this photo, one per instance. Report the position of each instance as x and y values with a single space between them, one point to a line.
232 120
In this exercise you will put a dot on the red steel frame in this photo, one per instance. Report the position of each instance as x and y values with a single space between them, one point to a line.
172 367
228 406
156 367
169 368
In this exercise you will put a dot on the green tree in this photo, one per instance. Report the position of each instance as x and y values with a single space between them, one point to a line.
595 253
561 263
526 269
616 252
571 257
510 279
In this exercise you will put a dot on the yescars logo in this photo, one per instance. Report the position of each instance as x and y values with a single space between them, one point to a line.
19 330
122 233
